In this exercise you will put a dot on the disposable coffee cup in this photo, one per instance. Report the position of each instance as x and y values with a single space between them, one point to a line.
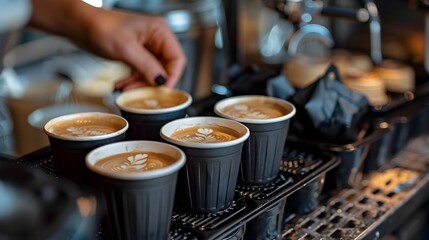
268 121
148 109
213 148
267 225
136 181
73 136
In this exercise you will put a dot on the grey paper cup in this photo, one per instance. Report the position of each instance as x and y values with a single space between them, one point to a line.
267 225
69 151
145 124
262 152
207 183
137 205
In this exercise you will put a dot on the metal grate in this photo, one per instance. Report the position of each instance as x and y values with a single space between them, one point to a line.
299 162
46 165
180 234
211 221
355 213
265 191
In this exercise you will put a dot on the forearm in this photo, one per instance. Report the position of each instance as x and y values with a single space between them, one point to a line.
65 18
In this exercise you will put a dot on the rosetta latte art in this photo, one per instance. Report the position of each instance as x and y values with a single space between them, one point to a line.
138 162
205 135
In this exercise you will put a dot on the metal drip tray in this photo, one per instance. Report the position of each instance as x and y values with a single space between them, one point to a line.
374 209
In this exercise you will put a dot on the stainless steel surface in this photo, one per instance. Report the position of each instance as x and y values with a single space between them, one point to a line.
310 32
384 201
303 12
375 32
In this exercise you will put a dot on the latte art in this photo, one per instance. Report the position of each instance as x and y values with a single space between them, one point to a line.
205 134
154 103
82 125
88 131
134 162
254 110
85 131
249 112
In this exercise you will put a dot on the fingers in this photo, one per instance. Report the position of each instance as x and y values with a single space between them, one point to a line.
163 43
133 85
175 70
121 84
135 80
149 46
143 61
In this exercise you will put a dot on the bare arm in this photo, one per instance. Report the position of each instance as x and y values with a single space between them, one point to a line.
146 43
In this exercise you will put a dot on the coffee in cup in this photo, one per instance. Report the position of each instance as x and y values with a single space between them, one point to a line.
137 183
268 121
137 161
206 134
255 109
213 150
89 126
147 109
72 136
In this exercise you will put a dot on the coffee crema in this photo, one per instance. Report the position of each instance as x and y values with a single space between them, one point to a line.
254 109
134 162
84 127
154 103
206 134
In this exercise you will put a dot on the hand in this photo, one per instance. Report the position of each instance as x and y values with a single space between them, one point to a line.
146 43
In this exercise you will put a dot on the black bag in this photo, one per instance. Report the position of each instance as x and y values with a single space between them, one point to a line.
329 111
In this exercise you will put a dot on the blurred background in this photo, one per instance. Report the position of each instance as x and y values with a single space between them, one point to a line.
45 76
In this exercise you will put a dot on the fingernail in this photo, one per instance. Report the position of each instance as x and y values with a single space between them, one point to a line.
160 80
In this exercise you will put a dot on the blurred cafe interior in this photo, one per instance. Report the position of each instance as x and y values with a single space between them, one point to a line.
355 163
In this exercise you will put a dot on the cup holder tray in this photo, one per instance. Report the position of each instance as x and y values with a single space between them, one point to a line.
299 167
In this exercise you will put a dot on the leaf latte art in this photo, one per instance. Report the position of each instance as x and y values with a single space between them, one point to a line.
135 162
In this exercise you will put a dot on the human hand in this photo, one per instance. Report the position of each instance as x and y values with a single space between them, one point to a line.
145 43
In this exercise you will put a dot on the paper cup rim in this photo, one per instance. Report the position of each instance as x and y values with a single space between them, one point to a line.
85 138
190 122
153 111
224 102
149 145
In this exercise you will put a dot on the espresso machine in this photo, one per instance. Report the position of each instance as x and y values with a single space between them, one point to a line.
301 22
